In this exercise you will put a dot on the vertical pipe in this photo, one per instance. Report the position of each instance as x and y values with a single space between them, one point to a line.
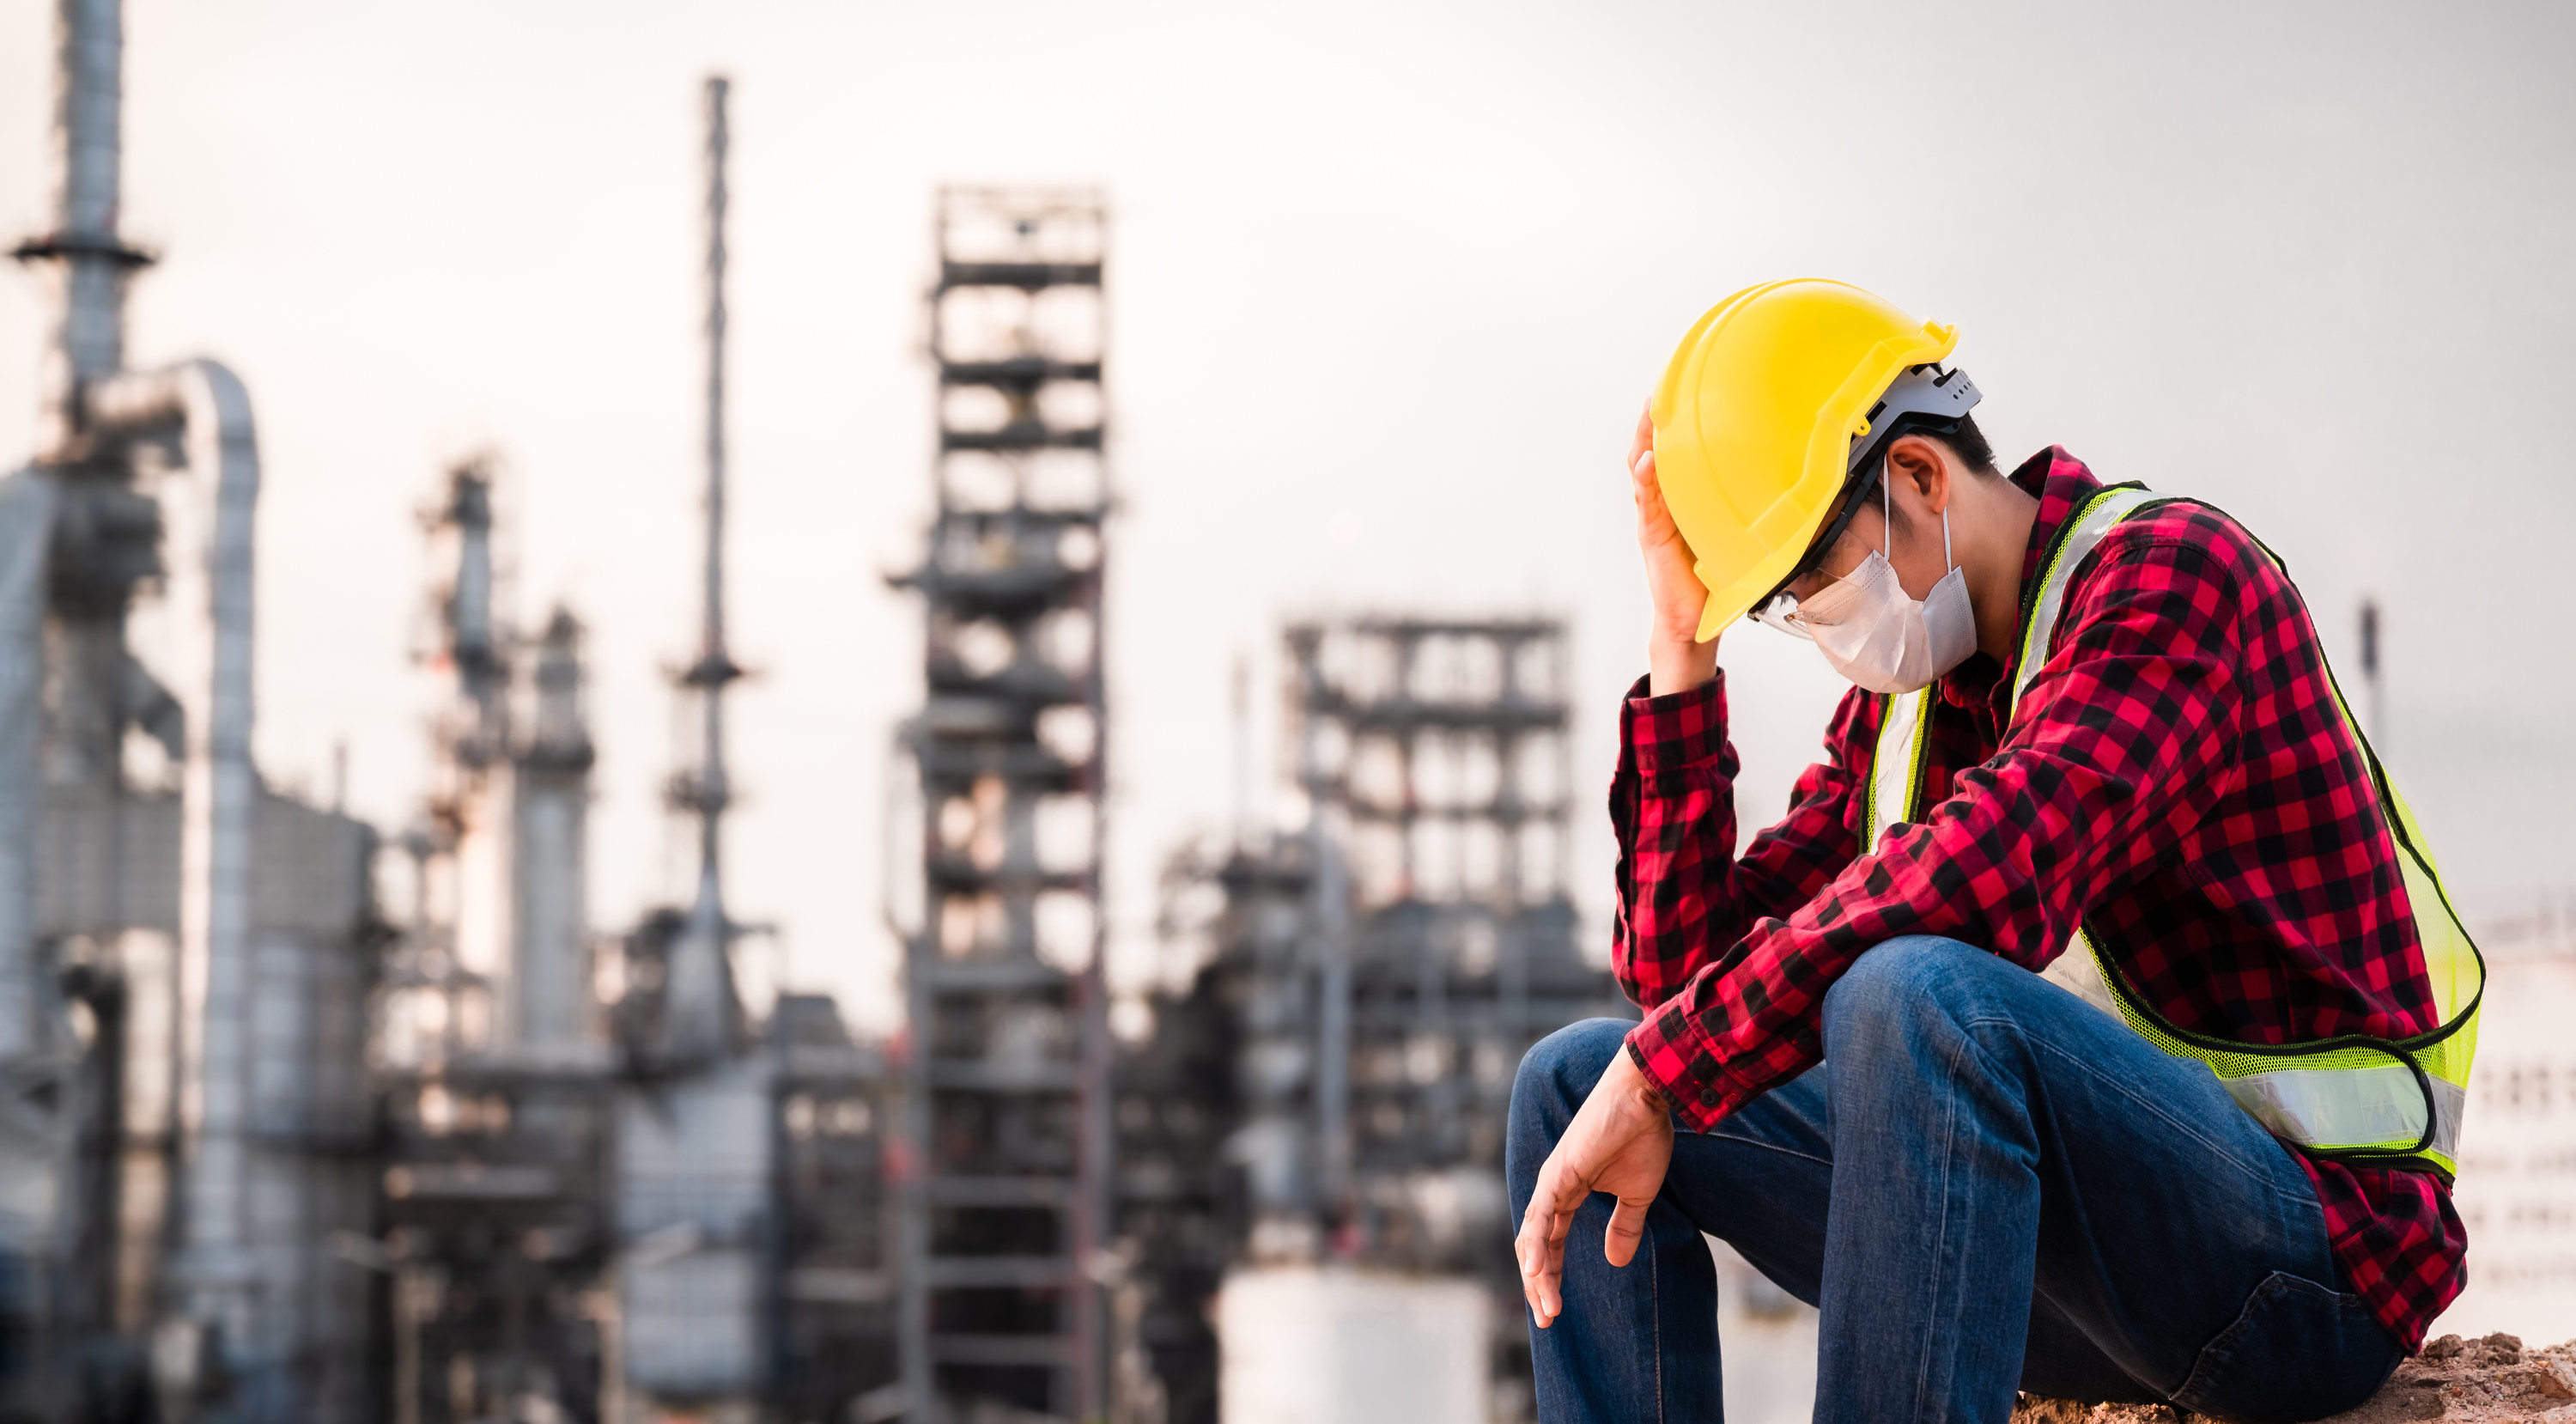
26 534
475 771
2375 712
88 113
548 843
210 584
698 997
88 267
1096 1167
215 846
908 1171
473 635
1326 833
89 337
1333 1016
715 666
1243 831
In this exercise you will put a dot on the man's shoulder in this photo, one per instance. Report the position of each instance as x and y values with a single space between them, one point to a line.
2191 538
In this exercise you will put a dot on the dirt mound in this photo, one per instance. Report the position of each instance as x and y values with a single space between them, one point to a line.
2489 1381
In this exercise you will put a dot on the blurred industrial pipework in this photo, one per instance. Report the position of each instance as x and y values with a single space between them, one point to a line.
304 1122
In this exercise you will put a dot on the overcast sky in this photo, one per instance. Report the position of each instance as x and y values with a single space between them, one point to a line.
1387 285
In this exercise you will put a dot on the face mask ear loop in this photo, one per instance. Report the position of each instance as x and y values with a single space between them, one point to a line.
1947 563
1887 513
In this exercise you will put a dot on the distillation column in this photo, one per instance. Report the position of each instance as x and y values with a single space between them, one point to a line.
550 957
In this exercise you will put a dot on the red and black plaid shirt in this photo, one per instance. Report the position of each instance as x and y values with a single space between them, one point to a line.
2178 777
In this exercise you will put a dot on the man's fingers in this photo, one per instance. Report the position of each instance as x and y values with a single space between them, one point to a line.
1627 1228
1645 491
1560 1188
1529 1250
1539 1269
1526 1253
1551 1275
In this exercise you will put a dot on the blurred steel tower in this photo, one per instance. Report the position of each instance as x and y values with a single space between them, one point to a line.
696 1137
1004 1195
697 1021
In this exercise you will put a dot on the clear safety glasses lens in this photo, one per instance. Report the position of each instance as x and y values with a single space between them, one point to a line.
1781 613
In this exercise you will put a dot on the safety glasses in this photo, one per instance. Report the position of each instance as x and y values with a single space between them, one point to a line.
1924 398
1778 608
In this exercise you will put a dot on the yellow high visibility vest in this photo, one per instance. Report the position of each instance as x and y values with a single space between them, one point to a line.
2356 1098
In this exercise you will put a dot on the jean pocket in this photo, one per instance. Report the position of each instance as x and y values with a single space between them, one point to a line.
2298 1351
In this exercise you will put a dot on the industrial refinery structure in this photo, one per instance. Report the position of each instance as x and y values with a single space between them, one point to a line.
184 953
1004 1194
1330 1087
303 1119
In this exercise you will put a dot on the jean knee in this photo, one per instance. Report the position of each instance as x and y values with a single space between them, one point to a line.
1560 1069
1899 977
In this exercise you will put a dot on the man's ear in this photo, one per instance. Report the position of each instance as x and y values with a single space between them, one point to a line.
1919 463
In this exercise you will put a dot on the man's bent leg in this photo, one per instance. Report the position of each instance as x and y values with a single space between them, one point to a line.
1633 1342
2003 1146
1640 1342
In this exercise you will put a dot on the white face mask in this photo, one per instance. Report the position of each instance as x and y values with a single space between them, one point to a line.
1882 640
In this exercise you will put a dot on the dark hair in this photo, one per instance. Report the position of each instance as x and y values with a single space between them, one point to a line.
1969 443
1963 438
1965 441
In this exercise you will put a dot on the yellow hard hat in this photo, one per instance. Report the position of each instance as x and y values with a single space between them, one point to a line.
1754 422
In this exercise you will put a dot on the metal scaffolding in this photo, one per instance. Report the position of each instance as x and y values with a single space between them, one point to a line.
1333 1084
1005 1119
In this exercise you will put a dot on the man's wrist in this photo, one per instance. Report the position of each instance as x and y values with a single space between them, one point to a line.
1635 1081
1651 1093
1679 664
1672 1052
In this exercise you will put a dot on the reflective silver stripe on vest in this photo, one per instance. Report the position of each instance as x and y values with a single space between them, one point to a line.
2104 510
2077 971
2327 1108
1892 789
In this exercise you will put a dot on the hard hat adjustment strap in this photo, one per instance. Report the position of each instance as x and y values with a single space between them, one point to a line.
1924 398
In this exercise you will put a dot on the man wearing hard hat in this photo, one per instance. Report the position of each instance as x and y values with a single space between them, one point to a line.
2094 1024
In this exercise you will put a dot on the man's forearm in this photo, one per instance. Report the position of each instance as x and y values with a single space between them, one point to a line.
1678 665
1672 810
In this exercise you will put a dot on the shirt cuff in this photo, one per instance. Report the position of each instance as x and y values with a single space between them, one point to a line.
1677 729
1677 1056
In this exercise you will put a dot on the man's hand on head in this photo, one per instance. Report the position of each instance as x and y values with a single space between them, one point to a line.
1620 1142
1676 660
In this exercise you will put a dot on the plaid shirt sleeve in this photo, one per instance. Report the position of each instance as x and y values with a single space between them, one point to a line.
2110 762
1683 893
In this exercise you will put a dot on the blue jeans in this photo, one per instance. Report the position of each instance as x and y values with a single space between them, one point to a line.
1988 1185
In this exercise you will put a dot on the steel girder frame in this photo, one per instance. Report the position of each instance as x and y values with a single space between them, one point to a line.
1002 1185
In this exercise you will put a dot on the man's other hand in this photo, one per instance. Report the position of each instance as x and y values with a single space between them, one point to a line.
1676 660
1620 1142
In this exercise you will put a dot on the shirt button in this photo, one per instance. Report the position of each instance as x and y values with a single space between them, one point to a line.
1708 1097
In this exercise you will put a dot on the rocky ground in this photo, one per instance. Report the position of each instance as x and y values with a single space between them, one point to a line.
2489 1381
